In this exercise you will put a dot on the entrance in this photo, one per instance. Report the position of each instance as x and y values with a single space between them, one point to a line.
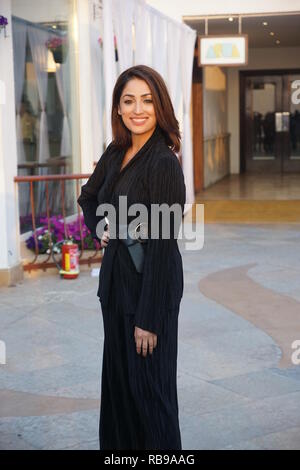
270 122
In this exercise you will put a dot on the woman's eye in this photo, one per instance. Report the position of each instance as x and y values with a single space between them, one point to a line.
129 101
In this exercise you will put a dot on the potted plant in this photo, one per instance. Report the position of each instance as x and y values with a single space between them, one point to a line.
57 233
58 47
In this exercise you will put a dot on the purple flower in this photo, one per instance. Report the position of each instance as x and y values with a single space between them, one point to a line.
57 233
3 21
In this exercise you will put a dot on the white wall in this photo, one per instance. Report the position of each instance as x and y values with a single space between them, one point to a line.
179 8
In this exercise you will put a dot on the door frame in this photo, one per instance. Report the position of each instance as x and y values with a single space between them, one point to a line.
243 74
197 126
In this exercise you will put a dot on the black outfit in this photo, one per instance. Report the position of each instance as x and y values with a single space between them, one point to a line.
139 408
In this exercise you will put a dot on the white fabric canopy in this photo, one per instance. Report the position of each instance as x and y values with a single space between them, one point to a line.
97 91
109 62
160 42
123 20
141 20
173 50
188 38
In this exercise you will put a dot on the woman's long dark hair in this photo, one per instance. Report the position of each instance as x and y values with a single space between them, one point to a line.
162 103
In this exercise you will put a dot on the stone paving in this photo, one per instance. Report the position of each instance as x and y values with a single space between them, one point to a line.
237 385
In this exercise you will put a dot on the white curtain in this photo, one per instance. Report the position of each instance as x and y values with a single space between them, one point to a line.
97 91
173 47
142 30
62 76
19 45
39 51
159 43
123 20
188 37
109 62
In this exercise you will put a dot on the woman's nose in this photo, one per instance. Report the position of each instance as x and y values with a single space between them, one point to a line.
138 107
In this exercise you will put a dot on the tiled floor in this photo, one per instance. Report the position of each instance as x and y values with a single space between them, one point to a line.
237 385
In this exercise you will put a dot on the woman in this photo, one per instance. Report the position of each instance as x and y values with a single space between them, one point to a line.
139 407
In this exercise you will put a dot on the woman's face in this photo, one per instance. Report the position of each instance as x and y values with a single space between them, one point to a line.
136 107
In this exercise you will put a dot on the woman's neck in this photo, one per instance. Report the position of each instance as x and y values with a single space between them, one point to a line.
138 140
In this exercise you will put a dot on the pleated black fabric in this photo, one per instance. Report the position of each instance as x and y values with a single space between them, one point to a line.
139 406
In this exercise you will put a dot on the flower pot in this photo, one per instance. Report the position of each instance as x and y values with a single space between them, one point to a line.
58 56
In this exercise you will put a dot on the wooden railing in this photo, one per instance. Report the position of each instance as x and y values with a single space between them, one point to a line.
46 263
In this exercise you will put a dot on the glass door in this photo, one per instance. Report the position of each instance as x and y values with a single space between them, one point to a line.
270 123
263 97
291 123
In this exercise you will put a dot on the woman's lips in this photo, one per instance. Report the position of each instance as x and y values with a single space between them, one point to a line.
139 122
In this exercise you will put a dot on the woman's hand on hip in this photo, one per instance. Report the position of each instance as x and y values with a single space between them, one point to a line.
144 340
105 239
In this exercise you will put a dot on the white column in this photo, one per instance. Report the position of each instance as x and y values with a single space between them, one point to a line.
10 259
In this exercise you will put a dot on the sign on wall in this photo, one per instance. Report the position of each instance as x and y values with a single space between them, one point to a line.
223 50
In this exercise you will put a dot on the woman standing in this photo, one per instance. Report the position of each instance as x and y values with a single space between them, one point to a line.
139 407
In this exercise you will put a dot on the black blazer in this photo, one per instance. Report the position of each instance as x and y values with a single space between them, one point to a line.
153 175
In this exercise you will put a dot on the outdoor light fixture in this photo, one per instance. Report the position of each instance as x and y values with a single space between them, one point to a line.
265 23
3 24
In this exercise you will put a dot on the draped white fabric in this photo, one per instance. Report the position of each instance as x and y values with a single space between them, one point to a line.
188 38
97 91
124 11
62 76
19 44
173 45
110 73
159 43
39 51
142 53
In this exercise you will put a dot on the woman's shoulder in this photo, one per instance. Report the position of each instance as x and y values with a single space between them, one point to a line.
108 153
165 158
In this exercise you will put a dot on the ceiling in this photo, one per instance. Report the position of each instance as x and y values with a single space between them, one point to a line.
286 29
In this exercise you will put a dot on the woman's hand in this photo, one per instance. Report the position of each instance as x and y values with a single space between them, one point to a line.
105 239
144 339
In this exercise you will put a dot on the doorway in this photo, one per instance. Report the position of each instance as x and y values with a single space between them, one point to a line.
270 122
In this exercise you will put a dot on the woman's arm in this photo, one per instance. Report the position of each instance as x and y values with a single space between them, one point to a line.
167 186
88 197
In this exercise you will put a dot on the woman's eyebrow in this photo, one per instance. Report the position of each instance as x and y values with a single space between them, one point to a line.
128 94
